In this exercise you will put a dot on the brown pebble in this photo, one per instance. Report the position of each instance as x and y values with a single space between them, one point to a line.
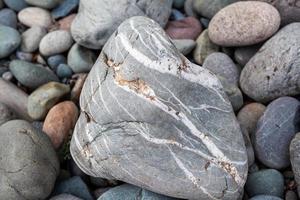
76 91
66 22
60 122
187 28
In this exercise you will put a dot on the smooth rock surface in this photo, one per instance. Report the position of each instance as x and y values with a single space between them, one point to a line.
275 130
56 42
130 192
265 79
184 46
10 39
169 121
33 16
93 30
31 75
44 98
295 158
60 122
47 4
265 182
6 114
8 18
81 59
16 5
64 71
31 38
29 165
244 23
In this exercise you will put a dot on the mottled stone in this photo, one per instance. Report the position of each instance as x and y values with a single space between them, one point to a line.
208 9
65 197
6 114
184 46
204 48
187 28
265 197
47 4
33 16
265 182
242 55
31 75
140 98
244 23
14 98
81 59
29 165
31 38
44 98
8 18
129 192
265 79
65 8
275 130
249 115
222 65
92 31
60 122
56 42
10 39
16 5
295 158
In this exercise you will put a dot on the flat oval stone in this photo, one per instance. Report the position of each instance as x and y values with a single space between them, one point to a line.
29 164
265 182
10 39
142 96
81 59
265 197
265 79
31 38
8 18
33 16
128 192
92 31
56 42
295 158
16 5
6 114
275 130
47 4
244 23
31 75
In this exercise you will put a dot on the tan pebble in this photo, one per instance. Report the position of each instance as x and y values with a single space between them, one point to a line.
33 16
66 22
76 91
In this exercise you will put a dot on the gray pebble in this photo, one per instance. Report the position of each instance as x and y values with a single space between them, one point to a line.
47 4
54 61
8 17
243 54
295 159
31 38
10 39
16 5
6 114
64 71
65 197
7 76
265 197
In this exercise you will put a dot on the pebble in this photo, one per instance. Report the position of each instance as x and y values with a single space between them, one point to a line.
81 59
6 114
3 70
76 90
275 130
16 5
249 115
176 15
233 26
55 61
222 65
31 75
234 94
33 16
265 79
130 192
8 17
291 195
29 165
64 71
242 55
185 46
7 76
265 182
66 22
65 197
265 197
178 3
10 40
204 47
44 98
46 4
14 98
31 38
209 9
74 186
60 122
187 28
24 56
65 8
56 42
295 158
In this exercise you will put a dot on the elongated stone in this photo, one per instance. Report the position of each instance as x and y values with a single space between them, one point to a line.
152 118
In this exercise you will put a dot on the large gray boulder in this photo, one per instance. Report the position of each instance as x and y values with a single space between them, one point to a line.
97 20
153 119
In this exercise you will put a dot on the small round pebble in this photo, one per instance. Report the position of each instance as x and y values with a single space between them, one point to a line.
265 182
24 56
16 5
33 16
31 38
56 42
60 122
10 39
55 61
244 23
291 195
47 4
64 71
66 22
7 76
8 17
